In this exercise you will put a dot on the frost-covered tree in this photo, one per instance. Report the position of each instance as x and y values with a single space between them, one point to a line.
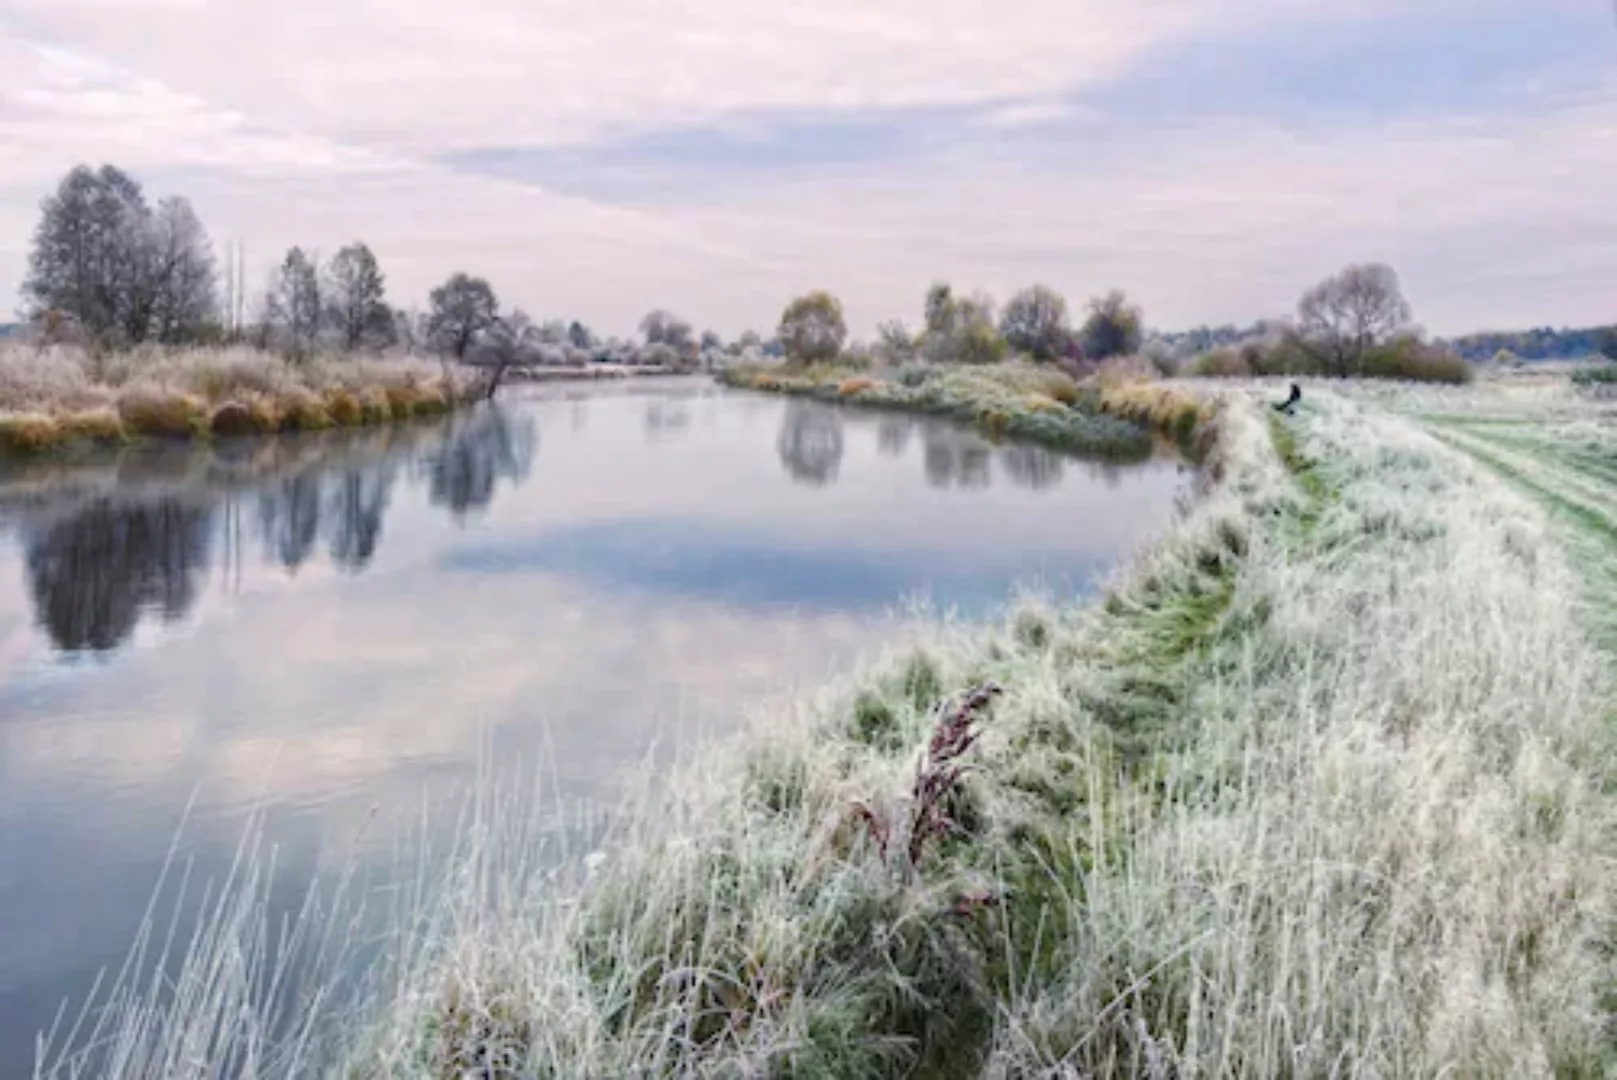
460 309
356 300
1035 322
295 312
812 328
1344 316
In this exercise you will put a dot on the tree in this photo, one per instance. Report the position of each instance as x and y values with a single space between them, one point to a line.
812 328
712 342
1114 327
102 257
665 328
1035 322
294 310
1343 317
460 309
409 329
894 342
356 300
505 342
960 330
185 275
579 335
1606 343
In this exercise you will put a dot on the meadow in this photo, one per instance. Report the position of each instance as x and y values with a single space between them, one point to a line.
62 396
1320 786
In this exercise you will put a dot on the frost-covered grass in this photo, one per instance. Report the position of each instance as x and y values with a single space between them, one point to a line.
1321 787
58 396
1014 400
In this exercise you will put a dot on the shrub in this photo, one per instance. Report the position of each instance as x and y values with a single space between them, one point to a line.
854 386
374 406
1409 358
233 418
267 414
913 375
1225 362
1604 375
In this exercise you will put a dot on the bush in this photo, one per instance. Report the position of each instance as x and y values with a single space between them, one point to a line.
304 411
344 408
1408 358
1600 377
96 425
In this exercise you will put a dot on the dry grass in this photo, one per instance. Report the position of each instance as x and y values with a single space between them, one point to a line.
1322 788
98 398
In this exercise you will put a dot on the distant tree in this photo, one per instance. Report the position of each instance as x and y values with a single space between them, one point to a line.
356 300
960 330
579 335
1035 322
409 330
894 342
749 339
514 340
812 328
712 342
294 309
1343 317
939 311
1114 327
1606 343
184 272
665 328
102 257
459 310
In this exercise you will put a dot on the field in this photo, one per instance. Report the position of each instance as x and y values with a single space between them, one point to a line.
60 397
1322 786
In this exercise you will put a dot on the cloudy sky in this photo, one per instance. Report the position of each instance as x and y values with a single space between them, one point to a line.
595 159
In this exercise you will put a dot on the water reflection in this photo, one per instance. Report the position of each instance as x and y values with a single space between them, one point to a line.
480 451
1032 467
98 562
893 434
95 572
956 458
811 443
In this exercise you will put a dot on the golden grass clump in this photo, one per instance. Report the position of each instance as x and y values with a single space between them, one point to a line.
374 406
28 433
304 411
159 411
855 386
96 425
344 407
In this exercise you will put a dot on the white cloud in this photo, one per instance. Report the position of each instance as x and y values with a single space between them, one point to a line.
317 126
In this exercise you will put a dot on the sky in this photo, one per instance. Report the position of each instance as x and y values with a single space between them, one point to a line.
1213 158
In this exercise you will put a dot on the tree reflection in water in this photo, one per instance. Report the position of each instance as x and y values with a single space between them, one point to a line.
480 450
810 443
956 459
94 573
1032 467
97 565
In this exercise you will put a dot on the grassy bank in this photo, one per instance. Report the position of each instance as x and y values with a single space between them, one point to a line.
1321 787
1016 401
59 397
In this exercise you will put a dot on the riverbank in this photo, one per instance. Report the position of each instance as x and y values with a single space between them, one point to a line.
61 397
1319 787
1109 419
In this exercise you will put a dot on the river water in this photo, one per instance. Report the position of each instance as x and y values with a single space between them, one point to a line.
330 628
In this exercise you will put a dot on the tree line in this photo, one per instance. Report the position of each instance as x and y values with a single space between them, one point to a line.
108 267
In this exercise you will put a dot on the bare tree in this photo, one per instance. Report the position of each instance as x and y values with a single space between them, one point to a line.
1344 316
187 298
1035 321
294 310
356 300
461 308
812 327
960 329
506 342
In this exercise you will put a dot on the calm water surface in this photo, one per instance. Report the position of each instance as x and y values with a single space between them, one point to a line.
333 626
